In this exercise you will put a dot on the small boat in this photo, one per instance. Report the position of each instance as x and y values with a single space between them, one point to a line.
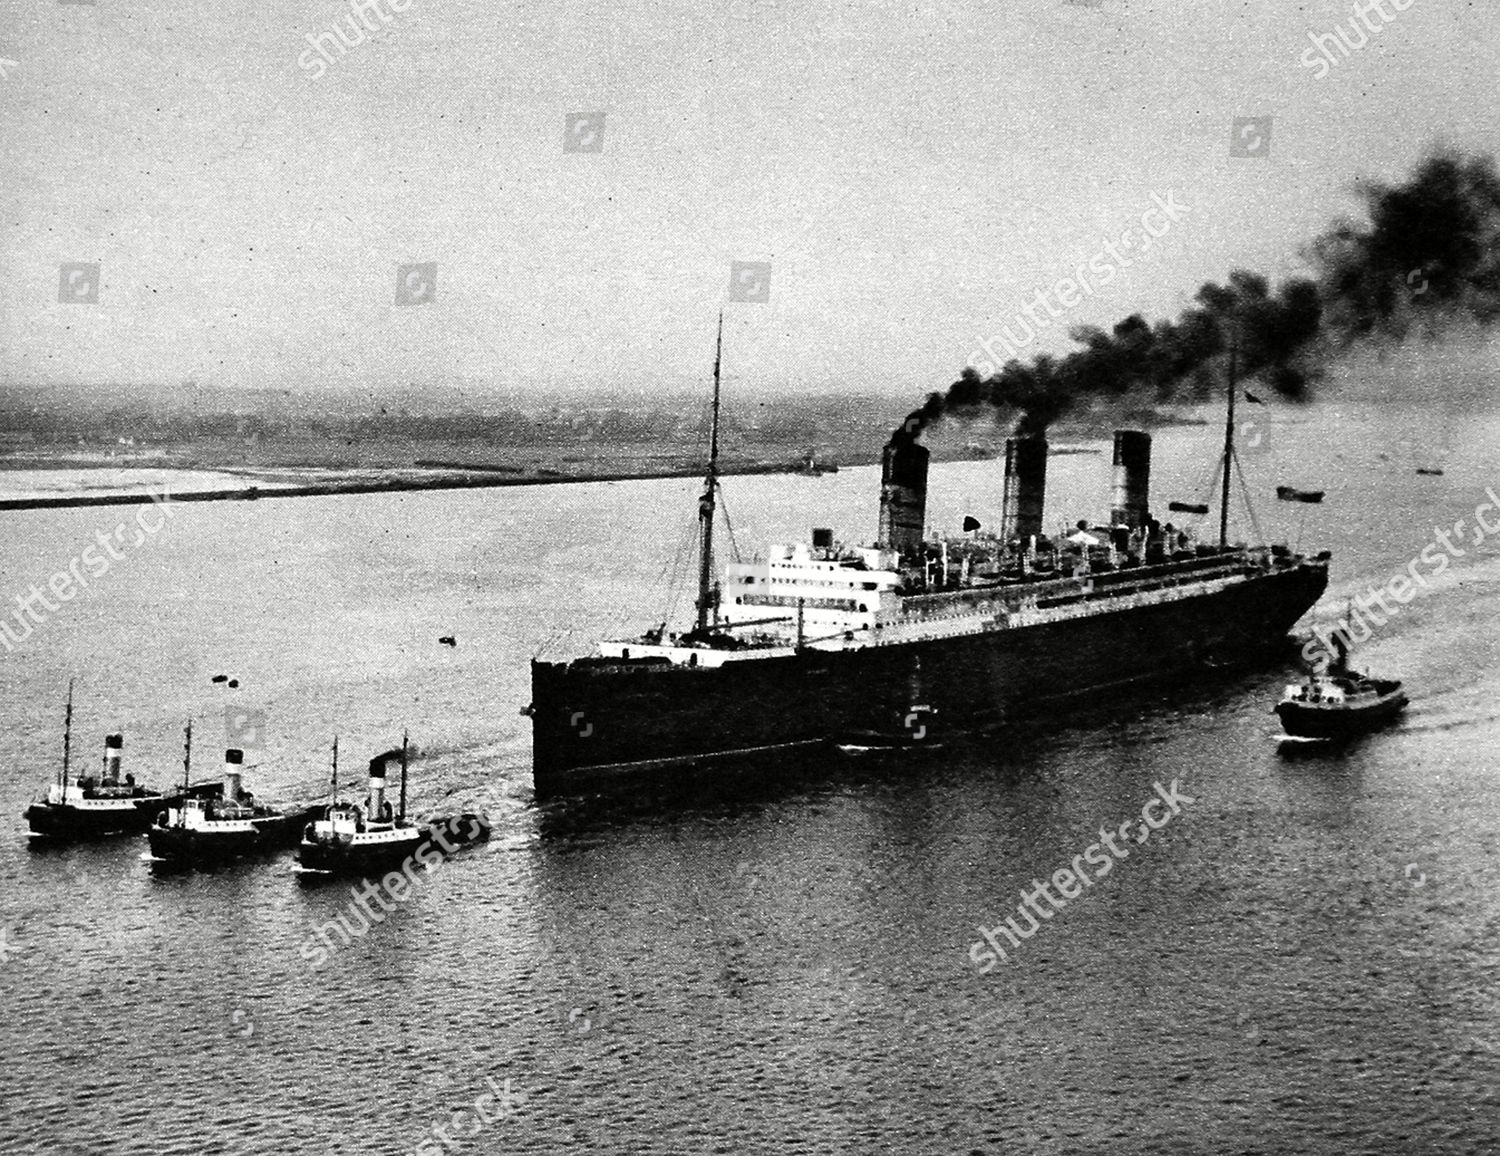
81 806
356 838
1339 703
466 829
811 467
206 827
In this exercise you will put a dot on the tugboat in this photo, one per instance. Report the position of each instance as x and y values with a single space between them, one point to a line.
82 806
355 839
228 825
1339 703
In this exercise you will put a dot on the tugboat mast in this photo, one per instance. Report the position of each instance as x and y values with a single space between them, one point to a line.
402 815
1234 349
708 602
67 736
187 760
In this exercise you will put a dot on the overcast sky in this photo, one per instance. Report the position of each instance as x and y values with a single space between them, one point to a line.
913 173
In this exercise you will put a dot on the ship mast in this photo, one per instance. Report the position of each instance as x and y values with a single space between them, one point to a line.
187 760
402 816
334 787
67 736
708 602
1234 349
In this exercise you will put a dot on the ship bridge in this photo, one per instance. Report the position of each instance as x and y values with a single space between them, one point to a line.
835 592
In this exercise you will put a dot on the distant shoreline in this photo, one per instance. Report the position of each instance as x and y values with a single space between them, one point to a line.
422 474
450 478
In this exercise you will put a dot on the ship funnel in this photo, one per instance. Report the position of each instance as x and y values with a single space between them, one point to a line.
903 495
114 748
376 810
234 759
1132 491
1025 488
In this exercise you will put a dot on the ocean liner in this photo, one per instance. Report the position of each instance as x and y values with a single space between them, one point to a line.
917 637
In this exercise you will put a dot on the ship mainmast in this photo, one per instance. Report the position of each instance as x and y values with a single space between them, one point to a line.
708 594
1234 349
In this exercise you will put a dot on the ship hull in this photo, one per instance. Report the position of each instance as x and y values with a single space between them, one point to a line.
63 821
336 858
1335 723
266 836
428 844
594 722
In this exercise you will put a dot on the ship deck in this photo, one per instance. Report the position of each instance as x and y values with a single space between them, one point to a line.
983 609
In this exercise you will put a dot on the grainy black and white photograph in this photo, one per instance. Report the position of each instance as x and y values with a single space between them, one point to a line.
778 577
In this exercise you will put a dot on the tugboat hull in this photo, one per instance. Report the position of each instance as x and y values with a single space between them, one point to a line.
259 837
440 837
63 821
338 858
1309 721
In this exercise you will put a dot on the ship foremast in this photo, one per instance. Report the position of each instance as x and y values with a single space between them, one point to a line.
708 589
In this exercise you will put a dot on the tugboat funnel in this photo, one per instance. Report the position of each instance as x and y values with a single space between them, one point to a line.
234 759
114 746
377 802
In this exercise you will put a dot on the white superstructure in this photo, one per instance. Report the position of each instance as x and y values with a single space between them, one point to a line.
109 792
835 593
831 598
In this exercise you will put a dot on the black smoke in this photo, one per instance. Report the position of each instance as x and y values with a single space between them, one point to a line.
1178 360
1429 250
